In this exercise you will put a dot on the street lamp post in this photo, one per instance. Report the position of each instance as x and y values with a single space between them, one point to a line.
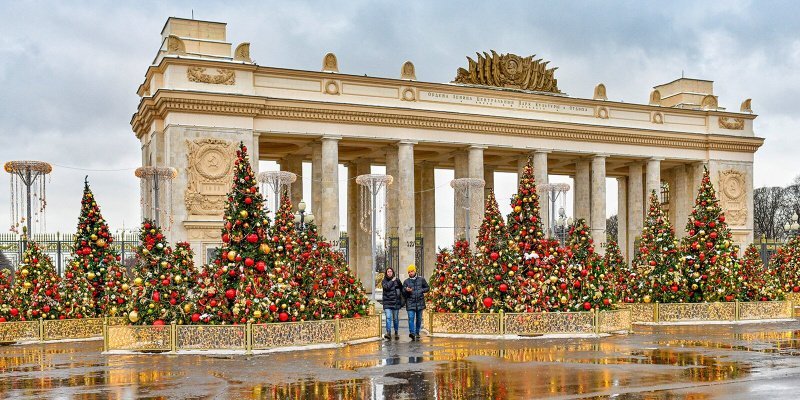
301 218
792 228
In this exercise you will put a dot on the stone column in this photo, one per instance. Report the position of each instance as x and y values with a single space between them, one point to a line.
653 179
459 171
418 198
428 212
488 176
255 153
582 187
540 174
329 207
363 247
521 161
405 205
353 200
679 199
475 166
635 206
598 200
294 164
695 181
391 193
622 216
316 180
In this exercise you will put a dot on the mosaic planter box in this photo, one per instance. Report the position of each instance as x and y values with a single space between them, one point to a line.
59 329
247 338
531 323
712 312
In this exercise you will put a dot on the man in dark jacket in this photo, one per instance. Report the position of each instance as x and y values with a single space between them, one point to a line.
414 289
392 302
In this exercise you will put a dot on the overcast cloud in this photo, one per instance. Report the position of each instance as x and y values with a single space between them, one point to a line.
69 70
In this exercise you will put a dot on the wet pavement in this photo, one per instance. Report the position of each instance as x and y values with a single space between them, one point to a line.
753 361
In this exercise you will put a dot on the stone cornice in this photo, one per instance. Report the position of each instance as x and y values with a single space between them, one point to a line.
163 102
433 86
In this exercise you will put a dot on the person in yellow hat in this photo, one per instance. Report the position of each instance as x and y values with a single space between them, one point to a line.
414 289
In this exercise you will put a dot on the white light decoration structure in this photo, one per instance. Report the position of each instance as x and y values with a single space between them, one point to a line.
301 217
464 189
792 228
28 193
371 186
556 193
277 182
153 183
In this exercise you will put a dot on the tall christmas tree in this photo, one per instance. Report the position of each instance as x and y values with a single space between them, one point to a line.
234 289
454 282
35 290
708 247
159 285
93 255
5 295
760 284
287 275
658 262
786 261
524 221
500 267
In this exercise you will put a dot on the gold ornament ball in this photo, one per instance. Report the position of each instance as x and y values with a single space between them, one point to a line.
257 313
133 316
137 281
646 299
93 237
231 255
243 213
125 286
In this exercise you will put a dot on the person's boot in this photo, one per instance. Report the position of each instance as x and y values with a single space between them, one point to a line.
387 336
411 335
416 337
396 336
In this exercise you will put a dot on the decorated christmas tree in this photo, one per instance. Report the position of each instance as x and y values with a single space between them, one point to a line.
658 263
500 266
160 290
454 282
549 279
185 271
786 262
707 248
76 293
760 283
5 295
287 276
619 276
117 293
329 288
35 290
93 255
524 221
234 289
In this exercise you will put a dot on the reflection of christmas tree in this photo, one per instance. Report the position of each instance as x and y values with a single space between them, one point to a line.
160 286
234 288
707 248
786 261
500 275
454 280
92 254
5 295
760 284
35 290
658 261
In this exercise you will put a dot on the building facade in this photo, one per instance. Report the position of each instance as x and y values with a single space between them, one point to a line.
202 95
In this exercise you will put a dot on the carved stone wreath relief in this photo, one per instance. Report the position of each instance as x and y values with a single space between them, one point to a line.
210 164
732 196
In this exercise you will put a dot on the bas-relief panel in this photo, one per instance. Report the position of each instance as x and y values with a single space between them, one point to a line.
732 196
209 175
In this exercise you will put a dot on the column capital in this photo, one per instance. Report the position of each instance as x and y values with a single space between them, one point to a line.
540 151
330 137
478 146
655 159
407 142
601 155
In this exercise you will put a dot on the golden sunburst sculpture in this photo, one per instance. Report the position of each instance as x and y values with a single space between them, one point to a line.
509 71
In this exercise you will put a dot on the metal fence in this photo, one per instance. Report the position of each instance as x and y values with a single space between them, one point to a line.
392 258
59 247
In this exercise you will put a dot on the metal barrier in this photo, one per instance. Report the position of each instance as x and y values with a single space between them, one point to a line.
544 323
699 312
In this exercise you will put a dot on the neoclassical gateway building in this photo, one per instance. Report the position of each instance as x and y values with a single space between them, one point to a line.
202 95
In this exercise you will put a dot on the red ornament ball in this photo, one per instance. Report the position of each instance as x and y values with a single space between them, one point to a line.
158 322
230 294
283 317
487 302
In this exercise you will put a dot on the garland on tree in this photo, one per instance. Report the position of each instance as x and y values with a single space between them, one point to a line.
658 262
761 284
786 261
454 280
5 295
707 249
35 294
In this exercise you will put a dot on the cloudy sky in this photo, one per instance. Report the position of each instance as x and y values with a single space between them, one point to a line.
69 70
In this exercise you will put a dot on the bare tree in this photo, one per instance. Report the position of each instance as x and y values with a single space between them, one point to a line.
612 227
768 204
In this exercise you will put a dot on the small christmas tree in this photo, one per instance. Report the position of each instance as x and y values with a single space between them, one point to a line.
76 293
500 267
760 284
658 262
617 272
548 279
707 246
234 289
117 292
524 221
453 283
786 261
93 255
185 271
287 276
35 290
5 295
589 288
160 293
